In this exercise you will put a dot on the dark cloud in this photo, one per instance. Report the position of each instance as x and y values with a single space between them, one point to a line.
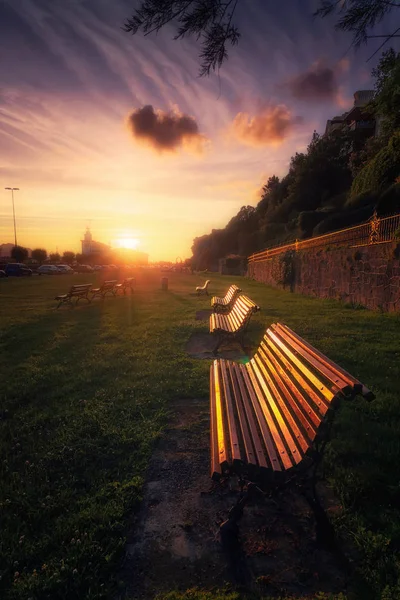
269 127
318 82
166 131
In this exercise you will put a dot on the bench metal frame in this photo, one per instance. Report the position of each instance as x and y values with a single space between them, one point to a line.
80 291
107 287
127 283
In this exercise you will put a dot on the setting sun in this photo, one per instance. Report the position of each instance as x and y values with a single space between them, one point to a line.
128 243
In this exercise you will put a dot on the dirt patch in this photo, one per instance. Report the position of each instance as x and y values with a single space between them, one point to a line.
202 345
175 543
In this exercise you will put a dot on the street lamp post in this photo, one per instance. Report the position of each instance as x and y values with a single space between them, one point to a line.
13 189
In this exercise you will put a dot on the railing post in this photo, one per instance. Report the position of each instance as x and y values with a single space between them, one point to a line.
296 245
374 233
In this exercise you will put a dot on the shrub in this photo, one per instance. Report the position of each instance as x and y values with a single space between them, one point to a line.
344 219
362 200
389 202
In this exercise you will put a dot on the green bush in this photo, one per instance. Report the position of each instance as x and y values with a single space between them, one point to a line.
381 171
344 219
362 200
389 202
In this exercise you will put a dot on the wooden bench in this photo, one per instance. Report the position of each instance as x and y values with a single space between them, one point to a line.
203 289
234 323
127 284
107 287
76 291
269 416
225 304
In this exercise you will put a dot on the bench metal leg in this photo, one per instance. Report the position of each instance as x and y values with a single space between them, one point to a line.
220 339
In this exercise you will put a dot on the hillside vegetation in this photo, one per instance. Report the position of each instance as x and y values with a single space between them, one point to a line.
338 182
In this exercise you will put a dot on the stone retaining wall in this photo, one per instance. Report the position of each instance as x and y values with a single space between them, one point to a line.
368 275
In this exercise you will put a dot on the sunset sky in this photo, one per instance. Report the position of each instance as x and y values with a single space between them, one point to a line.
79 136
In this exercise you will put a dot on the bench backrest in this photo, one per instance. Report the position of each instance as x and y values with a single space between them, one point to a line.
128 281
231 293
80 289
268 414
109 284
241 312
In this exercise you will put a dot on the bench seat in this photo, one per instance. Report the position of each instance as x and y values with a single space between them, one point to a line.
225 304
268 416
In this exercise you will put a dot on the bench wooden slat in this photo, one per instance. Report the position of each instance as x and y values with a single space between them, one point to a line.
295 397
281 435
250 457
254 392
268 373
230 415
321 404
357 385
337 381
222 448
216 468
276 449
268 415
253 431
302 367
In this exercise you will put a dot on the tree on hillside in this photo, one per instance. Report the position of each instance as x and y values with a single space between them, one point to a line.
19 253
387 87
54 257
68 256
212 22
39 254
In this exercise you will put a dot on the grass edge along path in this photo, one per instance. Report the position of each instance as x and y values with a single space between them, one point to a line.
85 393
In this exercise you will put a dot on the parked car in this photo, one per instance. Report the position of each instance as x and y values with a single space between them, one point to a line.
48 270
65 269
2 273
17 270
84 269
98 267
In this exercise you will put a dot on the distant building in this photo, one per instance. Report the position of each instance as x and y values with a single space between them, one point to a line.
92 248
97 252
357 118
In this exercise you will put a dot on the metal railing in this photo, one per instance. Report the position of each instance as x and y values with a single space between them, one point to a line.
375 231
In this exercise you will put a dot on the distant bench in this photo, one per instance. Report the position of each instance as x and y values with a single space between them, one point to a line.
203 289
107 287
225 304
234 323
127 284
269 415
76 291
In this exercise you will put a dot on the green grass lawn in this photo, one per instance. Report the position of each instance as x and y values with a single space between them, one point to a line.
86 391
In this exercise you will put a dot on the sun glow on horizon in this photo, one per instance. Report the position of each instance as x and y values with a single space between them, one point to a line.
128 243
